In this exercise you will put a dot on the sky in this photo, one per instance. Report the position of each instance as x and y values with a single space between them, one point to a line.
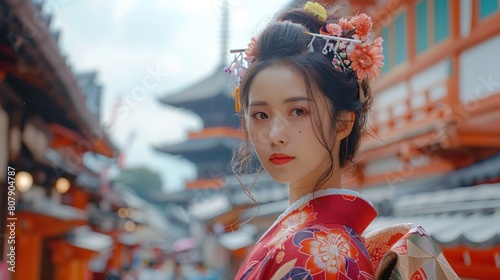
146 49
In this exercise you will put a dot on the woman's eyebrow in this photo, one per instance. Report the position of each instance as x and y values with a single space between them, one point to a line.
298 98
288 100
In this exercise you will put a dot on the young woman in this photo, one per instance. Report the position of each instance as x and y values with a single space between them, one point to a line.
304 100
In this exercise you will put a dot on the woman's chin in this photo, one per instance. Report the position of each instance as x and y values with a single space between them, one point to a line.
280 178
282 174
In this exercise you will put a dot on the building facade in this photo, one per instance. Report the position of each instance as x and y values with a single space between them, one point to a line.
430 143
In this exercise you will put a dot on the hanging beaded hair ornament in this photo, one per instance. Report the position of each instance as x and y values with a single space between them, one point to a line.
347 39
237 69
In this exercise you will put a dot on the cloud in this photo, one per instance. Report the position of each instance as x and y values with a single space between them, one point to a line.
124 39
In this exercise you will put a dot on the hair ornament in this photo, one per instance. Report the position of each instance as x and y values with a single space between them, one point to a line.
236 96
348 40
236 71
352 50
237 68
333 38
250 51
316 10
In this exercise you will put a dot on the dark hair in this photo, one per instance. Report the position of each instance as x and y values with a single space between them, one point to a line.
285 42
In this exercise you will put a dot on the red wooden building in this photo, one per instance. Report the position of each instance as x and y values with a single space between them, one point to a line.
46 130
433 142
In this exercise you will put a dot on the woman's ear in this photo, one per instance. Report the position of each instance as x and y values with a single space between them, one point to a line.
344 124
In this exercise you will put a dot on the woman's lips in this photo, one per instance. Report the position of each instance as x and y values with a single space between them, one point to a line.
280 159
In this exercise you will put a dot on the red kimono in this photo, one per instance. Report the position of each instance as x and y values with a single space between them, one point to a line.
318 238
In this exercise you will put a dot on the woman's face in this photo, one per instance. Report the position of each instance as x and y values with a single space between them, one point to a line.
281 128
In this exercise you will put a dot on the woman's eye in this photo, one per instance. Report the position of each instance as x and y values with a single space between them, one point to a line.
260 116
298 112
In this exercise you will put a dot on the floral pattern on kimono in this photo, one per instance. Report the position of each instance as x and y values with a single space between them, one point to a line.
316 238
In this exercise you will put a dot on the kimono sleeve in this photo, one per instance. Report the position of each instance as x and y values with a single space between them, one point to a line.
406 251
318 253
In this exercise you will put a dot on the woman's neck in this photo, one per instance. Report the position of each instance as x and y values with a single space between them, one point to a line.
309 185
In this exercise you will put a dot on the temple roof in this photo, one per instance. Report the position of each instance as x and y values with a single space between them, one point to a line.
201 148
207 88
210 98
453 216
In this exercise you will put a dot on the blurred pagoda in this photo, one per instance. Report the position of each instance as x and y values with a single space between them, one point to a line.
210 149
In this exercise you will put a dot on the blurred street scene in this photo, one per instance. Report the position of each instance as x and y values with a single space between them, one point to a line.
72 208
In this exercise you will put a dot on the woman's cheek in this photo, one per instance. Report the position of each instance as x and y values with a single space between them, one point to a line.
259 136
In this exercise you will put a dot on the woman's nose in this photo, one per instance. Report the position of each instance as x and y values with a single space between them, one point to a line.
277 135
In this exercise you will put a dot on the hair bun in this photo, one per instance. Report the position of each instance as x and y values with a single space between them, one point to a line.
282 39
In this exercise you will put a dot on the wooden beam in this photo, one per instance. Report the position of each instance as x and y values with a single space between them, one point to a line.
487 105
70 262
481 261
46 226
489 140
219 131
421 134
64 137
28 77
407 172
28 255
454 18
477 271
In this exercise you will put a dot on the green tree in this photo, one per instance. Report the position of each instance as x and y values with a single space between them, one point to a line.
142 180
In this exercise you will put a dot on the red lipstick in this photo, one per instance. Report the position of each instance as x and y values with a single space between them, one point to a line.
280 159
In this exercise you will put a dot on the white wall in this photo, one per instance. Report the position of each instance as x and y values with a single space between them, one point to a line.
480 71
387 98
382 165
432 79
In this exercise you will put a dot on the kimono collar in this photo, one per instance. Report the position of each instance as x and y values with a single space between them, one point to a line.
340 206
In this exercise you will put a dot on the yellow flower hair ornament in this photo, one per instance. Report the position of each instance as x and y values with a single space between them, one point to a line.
316 9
